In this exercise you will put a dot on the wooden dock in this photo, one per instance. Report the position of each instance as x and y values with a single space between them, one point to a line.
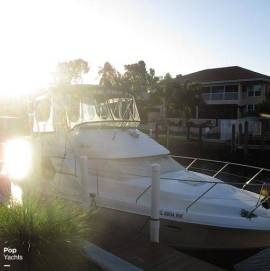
258 262
132 245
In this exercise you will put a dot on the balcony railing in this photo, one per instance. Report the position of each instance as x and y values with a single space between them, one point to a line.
220 96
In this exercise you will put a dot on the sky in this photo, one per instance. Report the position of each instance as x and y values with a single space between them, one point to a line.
175 36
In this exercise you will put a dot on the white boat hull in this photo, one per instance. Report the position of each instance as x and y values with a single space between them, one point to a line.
182 235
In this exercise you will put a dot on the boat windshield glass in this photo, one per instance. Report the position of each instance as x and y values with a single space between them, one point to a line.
62 110
101 110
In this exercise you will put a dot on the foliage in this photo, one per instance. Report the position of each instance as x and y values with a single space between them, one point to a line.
46 233
176 97
187 98
263 108
110 77
165 93
135 79
71 71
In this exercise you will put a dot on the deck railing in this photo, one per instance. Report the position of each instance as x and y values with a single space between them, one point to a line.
215 173
223 166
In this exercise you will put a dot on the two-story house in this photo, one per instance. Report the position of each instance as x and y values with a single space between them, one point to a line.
230 96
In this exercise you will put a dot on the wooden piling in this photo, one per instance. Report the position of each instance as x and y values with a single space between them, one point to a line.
246 138
156 131
188 131
240 134
155 204
167 135
233 139
200 139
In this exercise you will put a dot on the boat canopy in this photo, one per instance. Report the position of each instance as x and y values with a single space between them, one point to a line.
58 110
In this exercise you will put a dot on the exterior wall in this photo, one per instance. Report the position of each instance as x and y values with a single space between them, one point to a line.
235 97
227 108
238 94
245 99
221 111
254 127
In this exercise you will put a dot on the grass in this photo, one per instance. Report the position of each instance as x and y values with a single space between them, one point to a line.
47 234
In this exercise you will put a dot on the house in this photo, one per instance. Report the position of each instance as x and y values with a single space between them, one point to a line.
230 96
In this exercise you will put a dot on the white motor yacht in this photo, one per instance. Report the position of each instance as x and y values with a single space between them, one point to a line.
82 123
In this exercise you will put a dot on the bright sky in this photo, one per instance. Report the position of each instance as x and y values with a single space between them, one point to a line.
173 36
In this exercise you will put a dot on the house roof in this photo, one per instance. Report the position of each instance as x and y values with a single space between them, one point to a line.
233 73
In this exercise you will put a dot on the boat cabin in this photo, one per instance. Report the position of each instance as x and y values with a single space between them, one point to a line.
68 107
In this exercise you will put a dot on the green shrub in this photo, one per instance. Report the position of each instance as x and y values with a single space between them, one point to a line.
47 234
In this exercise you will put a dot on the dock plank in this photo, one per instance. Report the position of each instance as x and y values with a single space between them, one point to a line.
258 262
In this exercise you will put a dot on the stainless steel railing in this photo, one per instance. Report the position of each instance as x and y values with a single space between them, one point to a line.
224 165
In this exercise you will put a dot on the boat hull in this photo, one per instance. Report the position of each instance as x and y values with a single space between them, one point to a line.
179 234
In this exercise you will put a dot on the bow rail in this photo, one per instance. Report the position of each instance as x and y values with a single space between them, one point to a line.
224 165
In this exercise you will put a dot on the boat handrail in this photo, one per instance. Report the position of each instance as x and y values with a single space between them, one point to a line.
212 182
217 161
201 195
195 159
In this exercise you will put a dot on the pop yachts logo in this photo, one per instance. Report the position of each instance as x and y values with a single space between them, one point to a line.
11 254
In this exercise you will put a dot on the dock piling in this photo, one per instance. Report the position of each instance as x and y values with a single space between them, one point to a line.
85 180
233 141
246 138
155 204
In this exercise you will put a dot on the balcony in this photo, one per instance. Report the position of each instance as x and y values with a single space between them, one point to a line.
220 96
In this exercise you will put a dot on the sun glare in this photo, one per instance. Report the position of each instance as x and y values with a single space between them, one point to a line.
16 193
18 158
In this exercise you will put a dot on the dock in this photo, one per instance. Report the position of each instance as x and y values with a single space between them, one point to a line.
133 246
258 262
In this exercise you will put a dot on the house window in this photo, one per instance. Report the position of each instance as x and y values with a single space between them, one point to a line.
217 93
231 88
231 92
244 91
251 108
257 90
254 90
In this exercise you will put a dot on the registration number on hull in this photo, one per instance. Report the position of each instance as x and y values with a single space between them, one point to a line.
170 213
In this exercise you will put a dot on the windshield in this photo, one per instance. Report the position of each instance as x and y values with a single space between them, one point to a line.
93 110
68 110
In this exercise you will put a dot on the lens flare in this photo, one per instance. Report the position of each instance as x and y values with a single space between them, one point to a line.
18 158
16 193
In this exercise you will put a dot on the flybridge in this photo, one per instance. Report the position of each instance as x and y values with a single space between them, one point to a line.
59 109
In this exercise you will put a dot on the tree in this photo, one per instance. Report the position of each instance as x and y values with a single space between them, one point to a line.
110 77
176 97
187 98
152 81
135 78
164 94
263 108
71 72
140 83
